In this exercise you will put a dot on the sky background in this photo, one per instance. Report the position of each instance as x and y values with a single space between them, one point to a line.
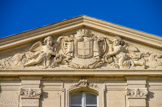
21 15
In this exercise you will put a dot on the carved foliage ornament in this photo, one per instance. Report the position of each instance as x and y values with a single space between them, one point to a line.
83 83
137 92
30 92
83 50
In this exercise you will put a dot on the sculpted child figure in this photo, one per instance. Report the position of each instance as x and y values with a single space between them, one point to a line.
121 57
41 53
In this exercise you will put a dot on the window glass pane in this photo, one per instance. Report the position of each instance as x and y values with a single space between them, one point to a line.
76 98
91 99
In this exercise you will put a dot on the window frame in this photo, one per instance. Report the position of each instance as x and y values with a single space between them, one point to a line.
83 99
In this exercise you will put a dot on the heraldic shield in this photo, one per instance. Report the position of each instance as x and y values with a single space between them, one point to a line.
84 49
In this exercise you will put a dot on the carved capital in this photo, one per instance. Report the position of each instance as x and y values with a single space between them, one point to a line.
30 92
137 92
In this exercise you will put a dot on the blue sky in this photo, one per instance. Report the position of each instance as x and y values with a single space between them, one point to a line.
21 15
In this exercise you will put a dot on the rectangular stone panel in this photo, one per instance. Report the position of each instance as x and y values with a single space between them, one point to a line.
155 99
51 99
115 99
137 103
30 103
9 99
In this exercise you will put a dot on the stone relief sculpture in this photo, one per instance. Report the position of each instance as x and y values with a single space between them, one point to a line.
119 54
137 93
83 50
155 61
83 83
41 53
30 92
12 61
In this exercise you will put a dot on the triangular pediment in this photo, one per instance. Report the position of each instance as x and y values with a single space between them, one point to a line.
81 43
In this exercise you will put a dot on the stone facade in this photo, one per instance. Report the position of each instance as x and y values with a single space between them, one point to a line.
44 67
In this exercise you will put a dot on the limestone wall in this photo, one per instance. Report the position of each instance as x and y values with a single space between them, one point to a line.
126 91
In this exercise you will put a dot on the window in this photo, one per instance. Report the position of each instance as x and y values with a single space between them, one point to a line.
83 99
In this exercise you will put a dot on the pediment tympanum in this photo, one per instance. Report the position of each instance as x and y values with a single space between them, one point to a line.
83 49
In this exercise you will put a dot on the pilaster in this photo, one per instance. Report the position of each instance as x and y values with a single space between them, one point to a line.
137 91
115 93
30 91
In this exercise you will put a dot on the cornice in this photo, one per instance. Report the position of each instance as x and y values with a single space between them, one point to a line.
81 72
77 22
124 32
41 32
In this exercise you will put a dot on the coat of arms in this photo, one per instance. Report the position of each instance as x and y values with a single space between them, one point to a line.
83 49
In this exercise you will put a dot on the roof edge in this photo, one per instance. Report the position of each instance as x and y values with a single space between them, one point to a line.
76 22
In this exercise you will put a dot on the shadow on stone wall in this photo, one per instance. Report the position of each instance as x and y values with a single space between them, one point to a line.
44 96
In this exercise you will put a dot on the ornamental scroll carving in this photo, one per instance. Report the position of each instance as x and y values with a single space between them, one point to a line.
83 83
83 50
30 92
137 92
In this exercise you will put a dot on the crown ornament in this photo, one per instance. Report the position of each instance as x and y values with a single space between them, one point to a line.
83 32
